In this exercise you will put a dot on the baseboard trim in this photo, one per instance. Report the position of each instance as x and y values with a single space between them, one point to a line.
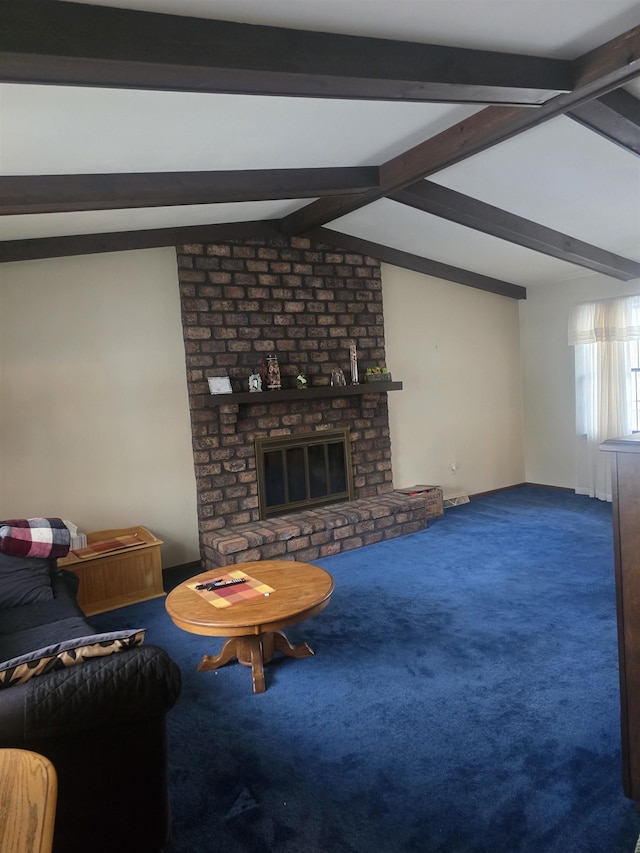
496 491
555 488
518 486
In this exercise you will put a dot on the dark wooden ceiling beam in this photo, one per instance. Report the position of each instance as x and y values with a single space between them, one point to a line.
597 72
426 266
472 213
608 66
21 194
123 241
616 116
85 45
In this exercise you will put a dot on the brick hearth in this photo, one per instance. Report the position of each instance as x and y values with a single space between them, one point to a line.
306 303
308 535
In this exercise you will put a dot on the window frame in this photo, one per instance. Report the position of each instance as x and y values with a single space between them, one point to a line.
634 358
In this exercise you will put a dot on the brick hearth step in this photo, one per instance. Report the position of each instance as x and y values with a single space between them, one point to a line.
308 535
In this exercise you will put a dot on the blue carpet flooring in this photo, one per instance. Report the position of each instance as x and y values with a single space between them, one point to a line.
463 698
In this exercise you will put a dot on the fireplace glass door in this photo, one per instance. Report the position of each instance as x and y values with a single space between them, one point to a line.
303 471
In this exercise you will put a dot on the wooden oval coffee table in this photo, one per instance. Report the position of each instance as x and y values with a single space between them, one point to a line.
253 627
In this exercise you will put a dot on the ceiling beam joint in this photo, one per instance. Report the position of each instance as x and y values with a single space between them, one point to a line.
615 116
597 72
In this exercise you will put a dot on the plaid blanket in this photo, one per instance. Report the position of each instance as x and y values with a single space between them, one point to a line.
35 537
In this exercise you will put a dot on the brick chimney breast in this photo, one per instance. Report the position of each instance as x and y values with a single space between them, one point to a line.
305 302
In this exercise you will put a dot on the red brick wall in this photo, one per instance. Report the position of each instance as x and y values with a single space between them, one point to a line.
304 302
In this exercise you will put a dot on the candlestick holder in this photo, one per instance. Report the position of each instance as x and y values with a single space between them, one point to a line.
353 358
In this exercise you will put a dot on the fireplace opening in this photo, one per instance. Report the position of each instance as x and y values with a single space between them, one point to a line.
303 471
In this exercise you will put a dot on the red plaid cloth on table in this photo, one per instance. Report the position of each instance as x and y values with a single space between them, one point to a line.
106 545
225 596
35 537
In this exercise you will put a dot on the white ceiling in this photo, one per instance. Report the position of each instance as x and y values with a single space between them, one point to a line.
115 130
559 174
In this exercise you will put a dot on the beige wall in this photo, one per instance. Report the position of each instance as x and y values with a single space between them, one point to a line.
548 373
456 350
94 417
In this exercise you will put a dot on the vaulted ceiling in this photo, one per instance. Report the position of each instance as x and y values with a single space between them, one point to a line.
493 143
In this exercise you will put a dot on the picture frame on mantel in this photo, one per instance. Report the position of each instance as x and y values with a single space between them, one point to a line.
219 385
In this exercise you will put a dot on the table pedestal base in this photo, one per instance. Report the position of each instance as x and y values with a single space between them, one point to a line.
255 650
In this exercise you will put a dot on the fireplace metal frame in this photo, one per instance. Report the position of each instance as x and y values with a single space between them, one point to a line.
303 440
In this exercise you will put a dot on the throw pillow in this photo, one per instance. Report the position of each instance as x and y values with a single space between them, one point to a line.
24 580
65 654
35 537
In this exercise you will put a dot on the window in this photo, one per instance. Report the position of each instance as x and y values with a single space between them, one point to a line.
634 359
606 337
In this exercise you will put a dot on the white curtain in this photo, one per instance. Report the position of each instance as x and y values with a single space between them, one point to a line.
600 332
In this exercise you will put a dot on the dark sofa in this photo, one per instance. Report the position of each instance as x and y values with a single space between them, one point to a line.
100 720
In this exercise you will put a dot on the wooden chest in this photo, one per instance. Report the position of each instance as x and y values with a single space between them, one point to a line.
119 576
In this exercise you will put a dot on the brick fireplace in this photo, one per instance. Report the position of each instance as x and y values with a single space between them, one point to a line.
306 303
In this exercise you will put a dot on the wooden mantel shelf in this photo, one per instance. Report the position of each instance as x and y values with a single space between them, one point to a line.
294 394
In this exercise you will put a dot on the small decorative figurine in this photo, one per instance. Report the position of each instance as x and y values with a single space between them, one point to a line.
353 358
255 382
337 378
273 373
301 381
